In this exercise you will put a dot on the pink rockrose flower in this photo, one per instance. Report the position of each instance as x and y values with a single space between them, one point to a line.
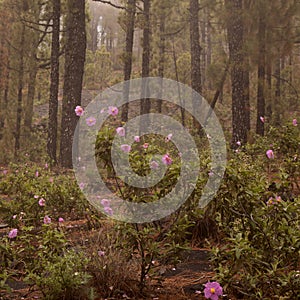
120 131
42 202
167 160
13 233
101 253
126 148
270 154
108 210
37 174
154 165
91 121
61 220
262 119
79 111
295 123
47 220
213 290
105 202
146 145
113 111
137 139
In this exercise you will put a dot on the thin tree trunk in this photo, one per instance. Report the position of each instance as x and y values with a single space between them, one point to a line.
73 76
54 85
161 61
261 74
235 32
20 92
130 19
145 102
277 98
195 56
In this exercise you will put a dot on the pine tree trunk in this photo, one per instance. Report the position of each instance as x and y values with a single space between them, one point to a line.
130 19
261 74
74 69
277 99
235 40
145 102
195 55
54 85
20 92
161 61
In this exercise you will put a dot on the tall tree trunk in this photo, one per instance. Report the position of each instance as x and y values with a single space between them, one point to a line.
236 43
74 69
261 73
204 50
20 91
161 60
277 99
195 55
209 49
54 85
145 102
30 97
130 21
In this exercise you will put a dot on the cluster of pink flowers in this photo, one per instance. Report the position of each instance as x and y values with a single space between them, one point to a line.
272 201
106 206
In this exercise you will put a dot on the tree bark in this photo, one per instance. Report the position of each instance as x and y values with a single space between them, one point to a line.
130 20
74 69
235 40
20 92
195 56
261 73
54 85
145 102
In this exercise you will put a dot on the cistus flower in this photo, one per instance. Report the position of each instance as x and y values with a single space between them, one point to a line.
126 148
120 131
137 139
213 290
37 174
105 202
13 233
61 220
81 185
239 143
167 160
108 210
262 119
91 121
101 253
145 145
113 111
42 202
154 165
270 154
79 111
47 220
295 123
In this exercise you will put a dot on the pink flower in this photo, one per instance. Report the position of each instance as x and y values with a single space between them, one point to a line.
5 172
121 131
79 111
213 290
105 202
42 202
295 122
154 165
37 174
46 166
167 160
146 145
108 210
239 143
270 201
113 111
262 119
13 233
168 137
51 179
47 220
36 197
61 220
91 121
126 148
270 154
102 110
14 217
101 253
81 185
137 139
